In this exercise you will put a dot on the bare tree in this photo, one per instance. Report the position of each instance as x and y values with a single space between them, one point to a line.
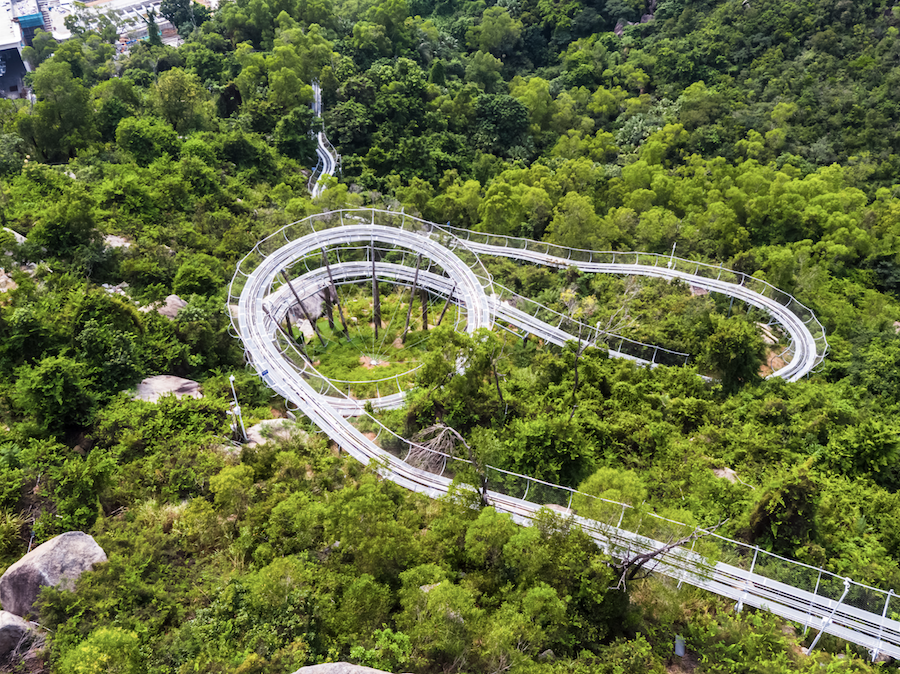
634 566
620 319
431 447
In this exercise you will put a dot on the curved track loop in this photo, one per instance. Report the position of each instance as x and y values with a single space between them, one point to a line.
818 599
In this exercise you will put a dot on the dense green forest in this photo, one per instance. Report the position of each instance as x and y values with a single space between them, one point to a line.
759 134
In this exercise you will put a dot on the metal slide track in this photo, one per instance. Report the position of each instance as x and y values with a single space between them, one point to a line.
837 606
327 164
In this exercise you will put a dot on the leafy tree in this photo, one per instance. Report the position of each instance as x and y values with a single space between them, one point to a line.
180 12
501 124
294 134
62 120
68 226
147 138
197 276
484 70
56 394
180 99
497 33
41 48
735 351
12 153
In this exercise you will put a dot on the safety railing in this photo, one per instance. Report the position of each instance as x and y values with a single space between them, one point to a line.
588 334
697 268
818 598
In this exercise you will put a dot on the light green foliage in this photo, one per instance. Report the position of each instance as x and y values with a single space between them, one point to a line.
391 651
497 33
232 488
774 155
112 650
179 98
68 227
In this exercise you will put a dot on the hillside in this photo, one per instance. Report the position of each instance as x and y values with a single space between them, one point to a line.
761 135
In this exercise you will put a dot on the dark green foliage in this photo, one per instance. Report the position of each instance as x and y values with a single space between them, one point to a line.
56 394
146 139
761 135
735 351
293 135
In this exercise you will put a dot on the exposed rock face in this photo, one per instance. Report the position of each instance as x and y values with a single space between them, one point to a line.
153 388
113 241
12 629
57 563
20 239
6 282
339 668
270 429
173 305
169 308
314 305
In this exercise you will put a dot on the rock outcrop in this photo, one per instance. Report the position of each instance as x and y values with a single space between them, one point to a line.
173 305
270 429
6 282
153 388
339 668
12 630
57 563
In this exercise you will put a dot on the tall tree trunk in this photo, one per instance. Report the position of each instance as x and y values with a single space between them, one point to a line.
412 296
337 300
376 300
446 306
290 329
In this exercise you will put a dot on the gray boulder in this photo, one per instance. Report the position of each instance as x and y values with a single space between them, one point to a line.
169 308
338 668
278 430
57 563
174 304
12 630
152 389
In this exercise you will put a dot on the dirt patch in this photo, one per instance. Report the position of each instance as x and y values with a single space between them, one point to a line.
683 665
773 363
397 343
369 364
